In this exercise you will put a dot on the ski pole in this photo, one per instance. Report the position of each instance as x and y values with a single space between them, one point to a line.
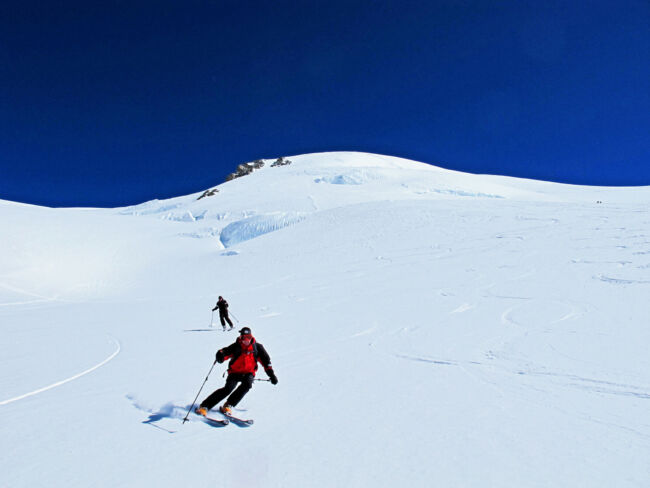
256 379
197 395
233 316
211 319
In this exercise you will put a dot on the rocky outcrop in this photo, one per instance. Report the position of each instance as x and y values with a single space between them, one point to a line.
245 169
209 193
280 162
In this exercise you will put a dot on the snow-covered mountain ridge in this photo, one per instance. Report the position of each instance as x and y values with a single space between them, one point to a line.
392 177
428 328
317 182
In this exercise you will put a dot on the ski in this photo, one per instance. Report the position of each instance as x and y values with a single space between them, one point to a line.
211 420
237 420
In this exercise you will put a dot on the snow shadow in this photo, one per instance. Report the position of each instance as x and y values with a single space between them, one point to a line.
167 411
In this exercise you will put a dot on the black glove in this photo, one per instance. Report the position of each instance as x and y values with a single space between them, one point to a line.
274 379
220 358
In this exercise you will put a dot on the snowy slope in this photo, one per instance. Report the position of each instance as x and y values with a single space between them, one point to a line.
428 328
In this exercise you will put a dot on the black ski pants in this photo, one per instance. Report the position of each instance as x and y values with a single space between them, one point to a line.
223 316
245 381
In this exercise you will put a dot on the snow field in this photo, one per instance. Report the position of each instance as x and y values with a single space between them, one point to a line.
423 333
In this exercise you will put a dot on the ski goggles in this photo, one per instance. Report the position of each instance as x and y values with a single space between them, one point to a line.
246 339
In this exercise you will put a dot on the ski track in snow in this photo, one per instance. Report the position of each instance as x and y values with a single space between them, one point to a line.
37 298
67 380
621 281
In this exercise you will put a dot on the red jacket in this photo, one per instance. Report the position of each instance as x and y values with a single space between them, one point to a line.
244 359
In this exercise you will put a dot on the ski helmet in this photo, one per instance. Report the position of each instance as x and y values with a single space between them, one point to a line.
245 330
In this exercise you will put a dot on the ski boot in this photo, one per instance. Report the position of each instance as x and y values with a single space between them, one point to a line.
226 409
201 411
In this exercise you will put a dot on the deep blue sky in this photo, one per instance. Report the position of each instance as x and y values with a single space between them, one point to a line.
113 103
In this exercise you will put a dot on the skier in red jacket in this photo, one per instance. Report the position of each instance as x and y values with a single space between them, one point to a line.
244 354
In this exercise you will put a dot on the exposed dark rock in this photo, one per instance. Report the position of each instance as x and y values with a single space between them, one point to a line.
208 193
245 169
280 162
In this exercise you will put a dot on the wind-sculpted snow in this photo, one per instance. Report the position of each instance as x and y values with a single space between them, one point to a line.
354 178
202 233
462 193
149 208
175 212
252 227
180 217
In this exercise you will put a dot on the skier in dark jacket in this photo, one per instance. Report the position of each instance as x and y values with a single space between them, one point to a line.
222 305
244 354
